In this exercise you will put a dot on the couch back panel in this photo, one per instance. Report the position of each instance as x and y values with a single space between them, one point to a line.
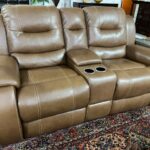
106 29
3 41
74 28
33 31
130 25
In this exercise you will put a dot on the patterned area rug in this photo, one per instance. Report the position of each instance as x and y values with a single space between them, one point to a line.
124 131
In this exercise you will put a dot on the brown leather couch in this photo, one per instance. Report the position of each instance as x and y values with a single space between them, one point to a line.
59 68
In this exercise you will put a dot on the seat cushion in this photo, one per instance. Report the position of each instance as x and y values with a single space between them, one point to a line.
51 91
35 76
132 82
121 64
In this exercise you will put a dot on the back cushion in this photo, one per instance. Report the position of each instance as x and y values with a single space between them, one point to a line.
74 28
106 31
35 35
3 42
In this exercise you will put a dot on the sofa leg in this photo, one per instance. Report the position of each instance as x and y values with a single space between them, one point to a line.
10 126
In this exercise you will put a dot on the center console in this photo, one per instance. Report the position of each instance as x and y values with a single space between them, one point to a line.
102 85
101 81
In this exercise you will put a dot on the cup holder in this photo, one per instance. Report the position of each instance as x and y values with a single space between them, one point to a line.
90 71
100 69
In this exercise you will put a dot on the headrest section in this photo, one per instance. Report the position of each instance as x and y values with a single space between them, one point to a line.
31 19
73 18
106 26
105 17
74 28
33 29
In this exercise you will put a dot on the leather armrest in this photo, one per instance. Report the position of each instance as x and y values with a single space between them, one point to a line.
9 72
10 124
83 57
139 53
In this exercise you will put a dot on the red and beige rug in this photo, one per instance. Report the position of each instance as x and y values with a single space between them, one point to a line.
123 131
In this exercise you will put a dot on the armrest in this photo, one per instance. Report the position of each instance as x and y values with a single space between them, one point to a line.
9 72
83 57
139 53
10 124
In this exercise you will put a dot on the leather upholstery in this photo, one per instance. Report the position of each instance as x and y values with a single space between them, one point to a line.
41 59
131 103
74 28
32 33
100 98
43 28
54 123
3 43
46 74
62 67
139 53
130 30
98 80
83 57
98 110
10 125
133 82
106 29
54 97
107 53
9 72
122 64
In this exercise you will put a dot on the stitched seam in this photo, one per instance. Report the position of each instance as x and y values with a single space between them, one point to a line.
27 76
119 67
72 93
38 105
68 79
113 64
30 77
131 83
35 95
30 84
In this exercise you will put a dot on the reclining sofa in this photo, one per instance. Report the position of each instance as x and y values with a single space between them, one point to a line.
59 68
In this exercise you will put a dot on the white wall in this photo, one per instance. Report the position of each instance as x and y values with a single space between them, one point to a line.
69 3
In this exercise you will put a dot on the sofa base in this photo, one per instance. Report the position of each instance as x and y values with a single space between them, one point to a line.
10 126
130 103
98 110
54 123
99 80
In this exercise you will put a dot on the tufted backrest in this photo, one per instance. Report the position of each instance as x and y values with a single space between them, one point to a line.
106 31
74 28
35 36
3 41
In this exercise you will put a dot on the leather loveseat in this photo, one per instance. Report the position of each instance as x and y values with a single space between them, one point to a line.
59 68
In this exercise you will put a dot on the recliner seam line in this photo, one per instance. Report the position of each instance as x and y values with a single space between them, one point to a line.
38 105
